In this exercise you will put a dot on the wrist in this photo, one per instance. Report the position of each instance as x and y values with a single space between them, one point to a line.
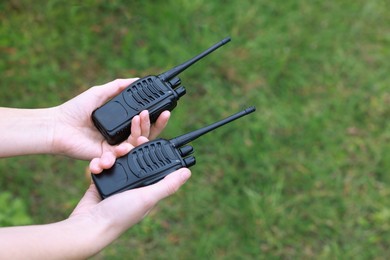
86 236
73 238
90 233
54 131
26 131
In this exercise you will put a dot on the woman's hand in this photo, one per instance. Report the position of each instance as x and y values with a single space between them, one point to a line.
76 136
93 225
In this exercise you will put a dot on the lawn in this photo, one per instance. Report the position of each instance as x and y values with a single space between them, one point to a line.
305 176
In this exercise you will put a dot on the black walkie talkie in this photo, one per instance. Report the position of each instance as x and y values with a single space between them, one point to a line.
153 93
152 161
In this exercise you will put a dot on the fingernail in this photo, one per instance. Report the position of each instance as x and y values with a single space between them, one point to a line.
185 174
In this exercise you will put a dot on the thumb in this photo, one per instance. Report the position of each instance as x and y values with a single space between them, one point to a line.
111 89
167 186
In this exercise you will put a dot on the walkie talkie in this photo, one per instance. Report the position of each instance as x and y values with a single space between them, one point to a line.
153 93
153 160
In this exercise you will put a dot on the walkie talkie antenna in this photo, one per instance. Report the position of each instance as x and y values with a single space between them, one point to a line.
180 68
153 93
186 138
150 162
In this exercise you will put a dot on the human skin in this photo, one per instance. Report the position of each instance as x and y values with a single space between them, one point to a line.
68 130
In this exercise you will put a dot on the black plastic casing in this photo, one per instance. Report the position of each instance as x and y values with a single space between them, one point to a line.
153 160
113 119
144 165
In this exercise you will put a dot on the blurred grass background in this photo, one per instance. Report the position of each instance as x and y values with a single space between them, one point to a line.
306 176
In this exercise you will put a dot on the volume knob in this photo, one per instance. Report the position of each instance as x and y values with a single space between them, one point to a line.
189 161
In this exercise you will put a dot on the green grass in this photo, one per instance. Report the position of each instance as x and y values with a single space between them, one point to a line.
306 176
